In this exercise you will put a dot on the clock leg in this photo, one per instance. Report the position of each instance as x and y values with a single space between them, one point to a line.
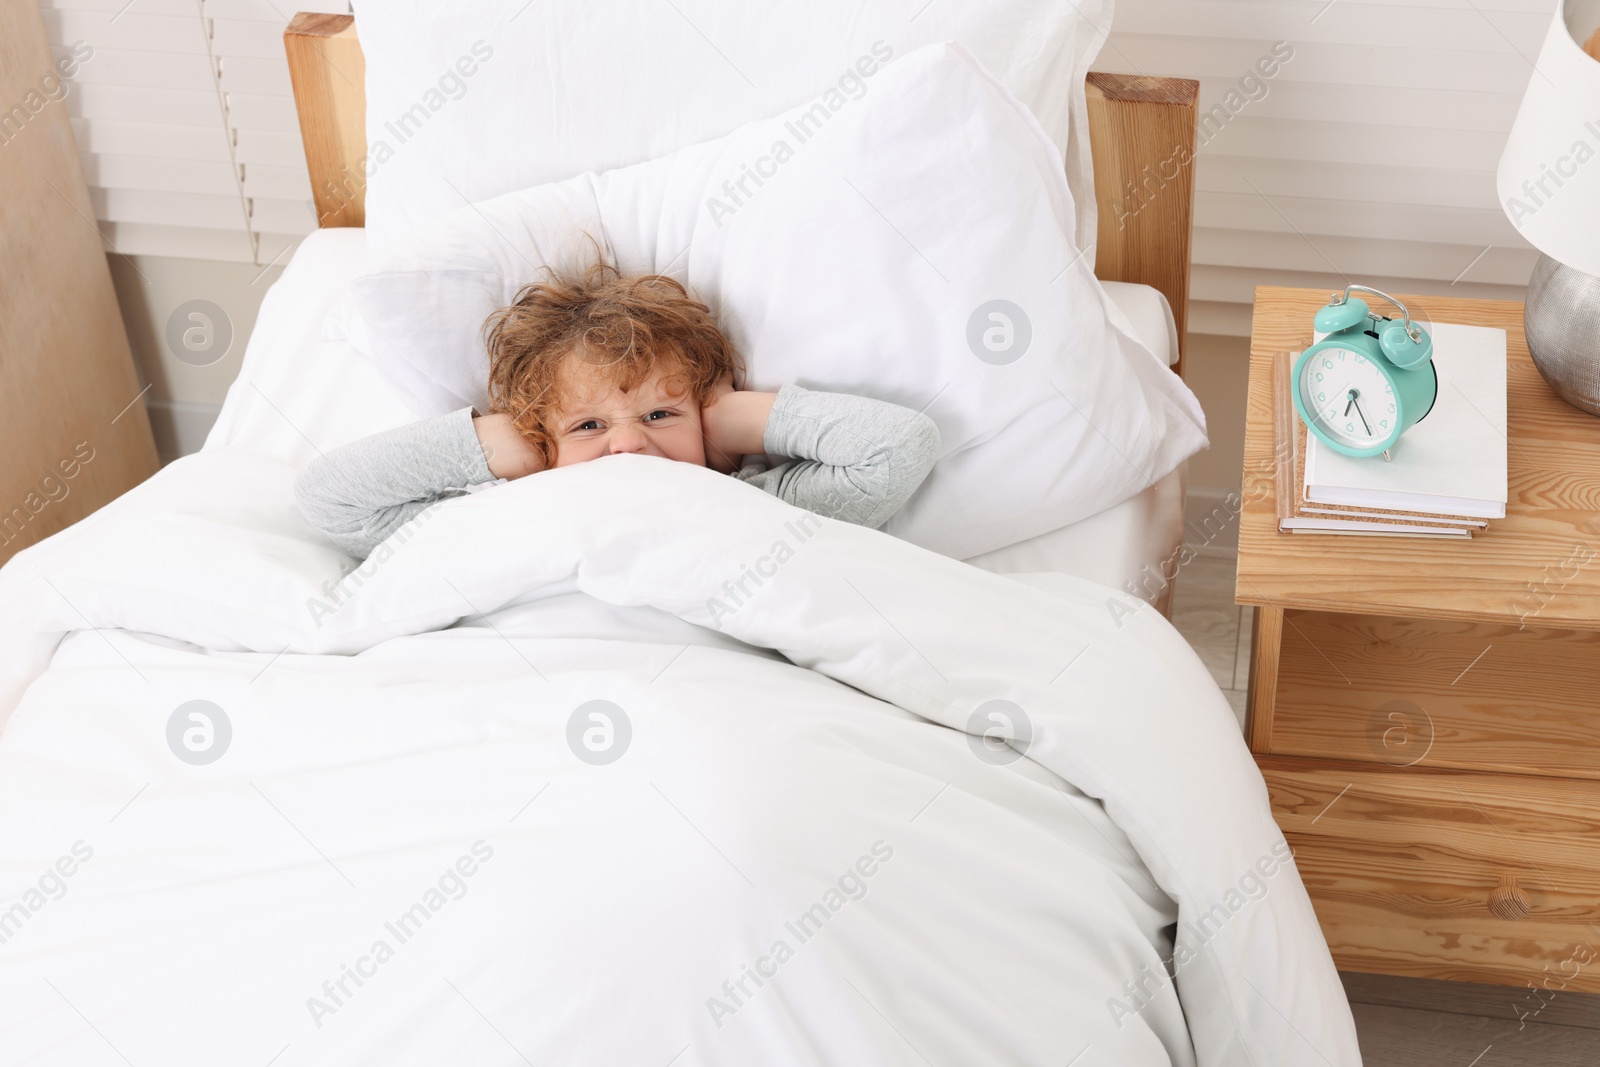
1266 643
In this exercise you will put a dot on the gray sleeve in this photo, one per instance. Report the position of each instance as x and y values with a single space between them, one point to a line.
360 493
848 457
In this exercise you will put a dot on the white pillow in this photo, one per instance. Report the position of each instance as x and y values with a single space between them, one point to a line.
913 230
466 101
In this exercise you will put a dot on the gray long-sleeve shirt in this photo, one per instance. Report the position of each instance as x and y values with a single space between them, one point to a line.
844 457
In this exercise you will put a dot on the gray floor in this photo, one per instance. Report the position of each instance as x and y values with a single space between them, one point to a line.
1402 1022
1219 630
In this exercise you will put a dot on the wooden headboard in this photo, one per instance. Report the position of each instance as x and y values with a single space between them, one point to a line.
1141 134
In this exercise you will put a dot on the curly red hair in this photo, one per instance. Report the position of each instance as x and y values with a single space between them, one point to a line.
625 327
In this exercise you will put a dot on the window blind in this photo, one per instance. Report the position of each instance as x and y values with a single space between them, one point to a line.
185 123
1368 156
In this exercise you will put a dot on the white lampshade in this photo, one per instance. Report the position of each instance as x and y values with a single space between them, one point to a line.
1549 177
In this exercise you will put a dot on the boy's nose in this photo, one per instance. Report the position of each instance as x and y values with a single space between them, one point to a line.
626 439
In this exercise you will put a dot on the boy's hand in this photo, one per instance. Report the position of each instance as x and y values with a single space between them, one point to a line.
734 425
508 453
716 458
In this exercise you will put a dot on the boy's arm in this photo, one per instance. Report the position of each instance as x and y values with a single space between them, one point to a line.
360 493
852 458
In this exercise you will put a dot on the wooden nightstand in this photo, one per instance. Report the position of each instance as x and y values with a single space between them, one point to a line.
1427 713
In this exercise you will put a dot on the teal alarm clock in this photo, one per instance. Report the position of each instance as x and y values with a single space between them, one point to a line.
1369 380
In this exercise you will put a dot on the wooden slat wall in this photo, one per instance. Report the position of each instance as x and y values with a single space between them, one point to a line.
186 126
1372 154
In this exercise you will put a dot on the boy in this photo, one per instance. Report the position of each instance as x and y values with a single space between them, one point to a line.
593 363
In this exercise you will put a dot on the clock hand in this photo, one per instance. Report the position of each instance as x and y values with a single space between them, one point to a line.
1364 425
1352 395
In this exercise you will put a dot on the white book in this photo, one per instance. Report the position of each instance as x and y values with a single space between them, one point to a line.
1453 462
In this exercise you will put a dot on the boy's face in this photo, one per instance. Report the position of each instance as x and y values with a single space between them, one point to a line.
598 419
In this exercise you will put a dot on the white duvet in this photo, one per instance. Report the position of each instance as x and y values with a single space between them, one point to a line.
533 786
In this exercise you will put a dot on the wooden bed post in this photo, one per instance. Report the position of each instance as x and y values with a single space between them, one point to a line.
1141 133
329 75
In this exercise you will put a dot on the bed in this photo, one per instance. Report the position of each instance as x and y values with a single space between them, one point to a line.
749 793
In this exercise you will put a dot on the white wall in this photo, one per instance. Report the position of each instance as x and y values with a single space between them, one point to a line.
186 394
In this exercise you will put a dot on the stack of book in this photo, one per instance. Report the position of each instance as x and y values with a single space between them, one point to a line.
1447 476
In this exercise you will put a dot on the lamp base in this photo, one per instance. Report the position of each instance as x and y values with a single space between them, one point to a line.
1562 321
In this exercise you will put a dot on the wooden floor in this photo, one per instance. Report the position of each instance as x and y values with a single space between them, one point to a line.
1402 1022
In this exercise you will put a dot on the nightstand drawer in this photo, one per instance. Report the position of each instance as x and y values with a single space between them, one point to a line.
1444 874
1439 693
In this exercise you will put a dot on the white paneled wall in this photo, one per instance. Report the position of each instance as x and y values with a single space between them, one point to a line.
1369 156
185 121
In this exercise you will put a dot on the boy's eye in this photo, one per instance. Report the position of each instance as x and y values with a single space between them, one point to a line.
657 416
588 424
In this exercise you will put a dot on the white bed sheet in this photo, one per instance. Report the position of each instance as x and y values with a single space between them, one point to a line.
305 388
392 727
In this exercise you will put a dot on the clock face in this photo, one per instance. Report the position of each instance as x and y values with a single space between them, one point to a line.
1349 400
